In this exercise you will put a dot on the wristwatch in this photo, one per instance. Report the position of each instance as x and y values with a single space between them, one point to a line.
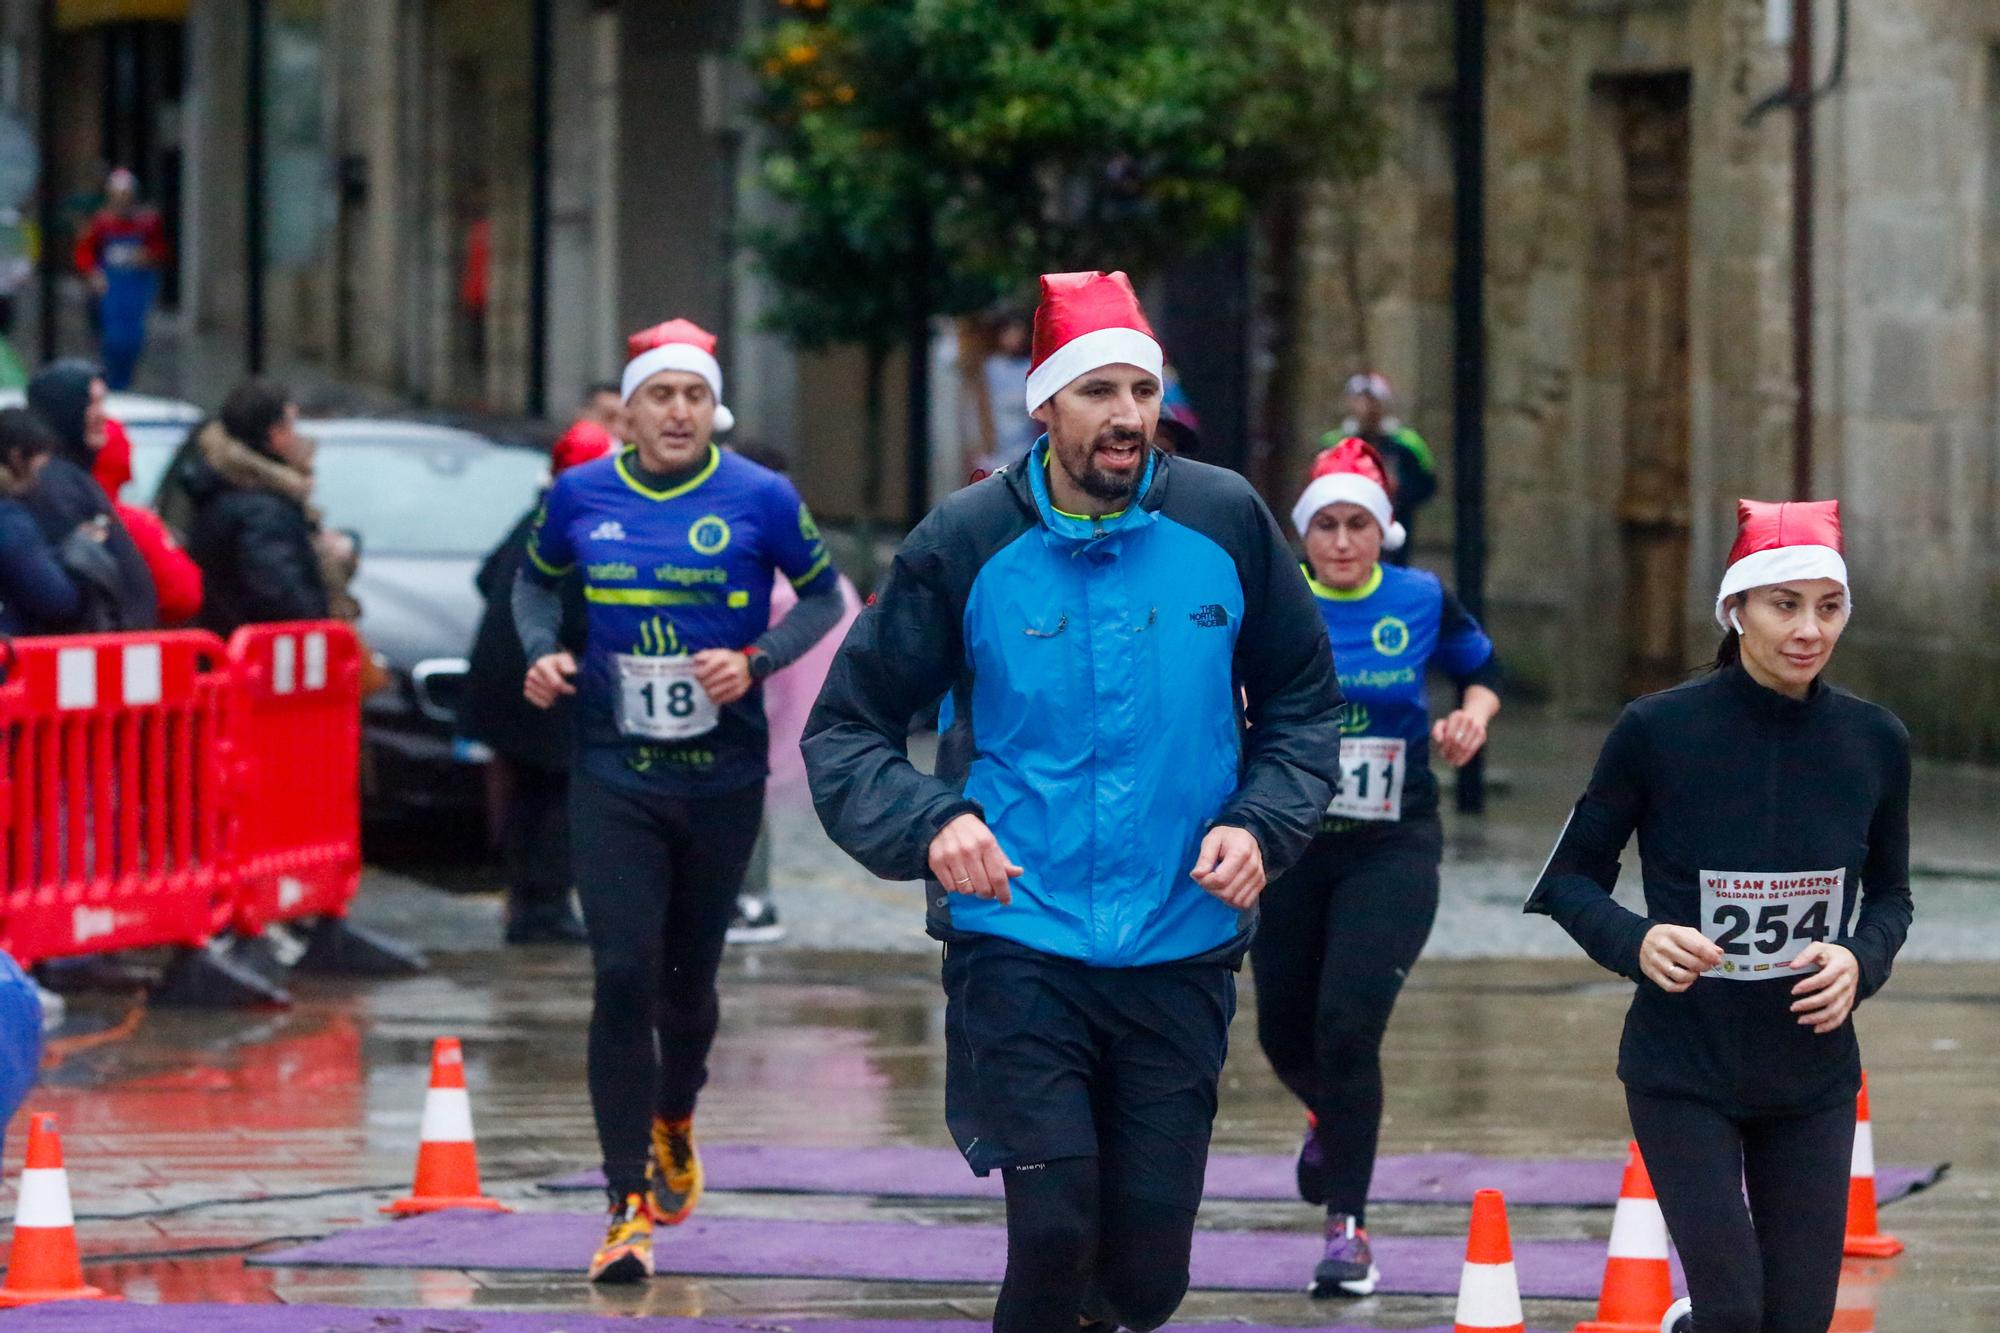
760 662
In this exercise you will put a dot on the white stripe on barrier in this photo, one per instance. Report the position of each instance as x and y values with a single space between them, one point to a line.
447 1116
1863 1163
76 678
142 673
44 1199
1638 1230
1489 1296
284 664
316 660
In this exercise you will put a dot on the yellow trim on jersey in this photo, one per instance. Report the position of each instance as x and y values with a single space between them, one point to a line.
553 571
825 559
1365 591
707 471
647 596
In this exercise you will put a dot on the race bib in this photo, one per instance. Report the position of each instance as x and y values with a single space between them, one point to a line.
660 700
1763 920
1371 779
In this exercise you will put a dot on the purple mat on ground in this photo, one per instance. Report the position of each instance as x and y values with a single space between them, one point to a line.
93 1318
1425 1178
903 1252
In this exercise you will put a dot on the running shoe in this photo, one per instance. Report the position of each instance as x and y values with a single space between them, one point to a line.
674 1184
1679 1317
1312 1165
627 1252
756 922
1348 1266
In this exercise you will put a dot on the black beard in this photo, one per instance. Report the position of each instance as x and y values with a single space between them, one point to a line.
1097 483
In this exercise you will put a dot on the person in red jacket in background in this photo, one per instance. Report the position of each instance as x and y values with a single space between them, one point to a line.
176 577
120 253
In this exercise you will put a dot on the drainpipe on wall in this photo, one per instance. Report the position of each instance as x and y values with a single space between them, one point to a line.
45 209
543 60
253 187
1802 249
1468 301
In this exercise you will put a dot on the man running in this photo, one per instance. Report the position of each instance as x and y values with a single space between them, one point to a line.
1101 824
678 542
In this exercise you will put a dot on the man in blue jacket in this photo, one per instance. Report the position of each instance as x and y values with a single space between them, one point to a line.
1106 619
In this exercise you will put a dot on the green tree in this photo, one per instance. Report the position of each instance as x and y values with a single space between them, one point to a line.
932 156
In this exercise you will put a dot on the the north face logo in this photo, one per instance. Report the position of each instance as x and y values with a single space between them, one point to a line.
1211 616
610 530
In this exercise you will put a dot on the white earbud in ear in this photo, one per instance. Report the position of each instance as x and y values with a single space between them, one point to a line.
1734 621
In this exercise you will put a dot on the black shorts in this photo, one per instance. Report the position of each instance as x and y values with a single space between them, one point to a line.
1048 1058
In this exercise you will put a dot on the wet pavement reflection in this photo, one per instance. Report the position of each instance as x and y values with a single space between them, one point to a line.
195 1139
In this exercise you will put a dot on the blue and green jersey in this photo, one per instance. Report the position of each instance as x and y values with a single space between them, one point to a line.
668 573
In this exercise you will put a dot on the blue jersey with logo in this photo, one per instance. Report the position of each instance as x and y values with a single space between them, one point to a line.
668 573
1386 634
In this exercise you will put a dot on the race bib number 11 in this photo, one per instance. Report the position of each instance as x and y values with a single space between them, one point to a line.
1371 779
1763 920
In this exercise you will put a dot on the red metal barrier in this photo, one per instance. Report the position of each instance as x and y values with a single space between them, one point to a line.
294 752
111 793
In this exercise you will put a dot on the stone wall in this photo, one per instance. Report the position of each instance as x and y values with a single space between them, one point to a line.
1908 267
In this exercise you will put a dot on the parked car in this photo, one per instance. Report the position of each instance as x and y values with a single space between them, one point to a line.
426 503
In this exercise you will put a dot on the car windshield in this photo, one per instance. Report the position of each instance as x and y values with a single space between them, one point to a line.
424 497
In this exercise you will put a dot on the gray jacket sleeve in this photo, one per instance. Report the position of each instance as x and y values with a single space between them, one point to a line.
538 615
902 655
809 621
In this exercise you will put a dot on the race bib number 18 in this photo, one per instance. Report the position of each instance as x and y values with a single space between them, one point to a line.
1763 920
1371 779
660 700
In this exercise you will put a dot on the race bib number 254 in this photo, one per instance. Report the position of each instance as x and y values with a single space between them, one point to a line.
1763 920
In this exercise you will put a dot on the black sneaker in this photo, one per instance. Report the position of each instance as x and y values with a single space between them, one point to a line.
756 922
1679 1317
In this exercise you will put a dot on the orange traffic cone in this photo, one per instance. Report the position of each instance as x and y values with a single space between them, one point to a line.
1638 1287
1489 1294
447 1163
1865 1238
45 1265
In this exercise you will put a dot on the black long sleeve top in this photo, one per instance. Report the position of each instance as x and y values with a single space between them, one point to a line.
1765 822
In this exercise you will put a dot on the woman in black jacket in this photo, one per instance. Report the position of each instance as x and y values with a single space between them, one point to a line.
254 532
42 588
1773 818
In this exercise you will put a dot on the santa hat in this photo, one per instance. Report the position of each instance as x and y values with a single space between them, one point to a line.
583 442
1350 471
1085 322
1374 384
678 344
1778 541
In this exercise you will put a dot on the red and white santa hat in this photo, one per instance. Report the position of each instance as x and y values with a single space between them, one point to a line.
1350 471
678 344
1778 541
1085 322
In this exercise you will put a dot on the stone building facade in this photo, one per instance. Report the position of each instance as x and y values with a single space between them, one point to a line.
1639 327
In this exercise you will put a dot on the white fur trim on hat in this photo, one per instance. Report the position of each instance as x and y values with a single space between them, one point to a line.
1353 488
1781 564
678 356
1094 351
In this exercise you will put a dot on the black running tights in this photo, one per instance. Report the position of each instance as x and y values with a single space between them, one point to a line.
1340 932
1773 1267
1072 1250
658 876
